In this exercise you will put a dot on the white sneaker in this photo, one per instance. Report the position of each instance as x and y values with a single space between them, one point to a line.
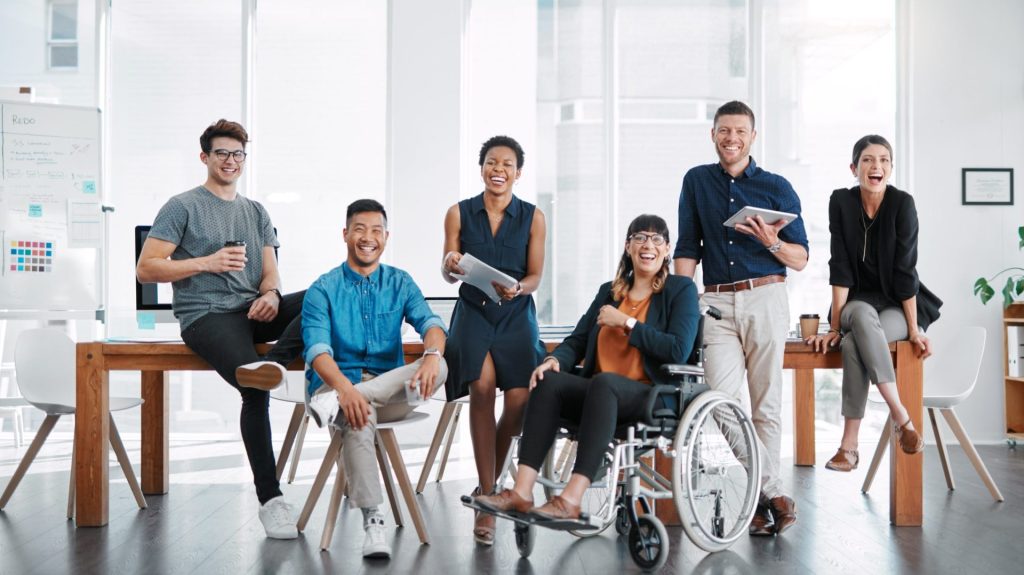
323 408
265 375
278 519
375 544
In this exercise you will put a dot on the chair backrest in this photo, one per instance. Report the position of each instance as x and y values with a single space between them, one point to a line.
44 360
952 370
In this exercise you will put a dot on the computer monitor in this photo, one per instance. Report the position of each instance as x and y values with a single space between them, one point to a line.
152 300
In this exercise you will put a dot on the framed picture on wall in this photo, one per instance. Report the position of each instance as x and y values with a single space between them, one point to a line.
987 186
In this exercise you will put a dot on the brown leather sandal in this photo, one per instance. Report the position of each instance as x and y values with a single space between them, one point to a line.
844 460
910 441
483 525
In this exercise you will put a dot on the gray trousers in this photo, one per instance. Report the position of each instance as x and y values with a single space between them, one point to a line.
867 331
386 395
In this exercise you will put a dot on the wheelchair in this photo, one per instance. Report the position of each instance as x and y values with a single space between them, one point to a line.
715 479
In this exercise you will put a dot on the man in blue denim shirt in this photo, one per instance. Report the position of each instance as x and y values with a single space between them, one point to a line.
744 277
352 329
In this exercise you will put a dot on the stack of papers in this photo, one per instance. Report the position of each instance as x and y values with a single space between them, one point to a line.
480 275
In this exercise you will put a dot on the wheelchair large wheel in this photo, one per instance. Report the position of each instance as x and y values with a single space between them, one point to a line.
716 476
648 543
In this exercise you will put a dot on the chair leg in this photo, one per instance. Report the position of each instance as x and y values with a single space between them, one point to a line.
435 444
398 464
389 483
876 460
943 457
19 429
30 455
448 444
332 509
300 439
71 483
330 459
126 464
289 438
972 454
566 468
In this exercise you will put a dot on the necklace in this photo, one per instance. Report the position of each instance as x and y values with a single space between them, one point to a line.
864 224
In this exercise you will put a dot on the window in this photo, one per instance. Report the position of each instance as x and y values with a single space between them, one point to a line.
62 40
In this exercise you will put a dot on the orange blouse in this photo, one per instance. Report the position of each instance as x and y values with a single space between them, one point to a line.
614 353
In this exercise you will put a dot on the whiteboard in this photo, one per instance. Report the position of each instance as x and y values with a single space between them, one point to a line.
51 219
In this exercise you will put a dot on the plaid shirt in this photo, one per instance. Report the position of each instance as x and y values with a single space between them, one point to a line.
709 197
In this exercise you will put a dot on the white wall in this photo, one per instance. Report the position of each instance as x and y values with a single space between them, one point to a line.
967 110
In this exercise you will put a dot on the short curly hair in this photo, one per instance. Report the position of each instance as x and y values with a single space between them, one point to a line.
498 141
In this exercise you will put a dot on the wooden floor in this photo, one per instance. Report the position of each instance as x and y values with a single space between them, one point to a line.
208 524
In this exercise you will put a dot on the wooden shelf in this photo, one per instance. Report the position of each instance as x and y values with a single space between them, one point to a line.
1014 379
1018 321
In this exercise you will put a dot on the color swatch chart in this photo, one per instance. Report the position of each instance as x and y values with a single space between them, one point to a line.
31 256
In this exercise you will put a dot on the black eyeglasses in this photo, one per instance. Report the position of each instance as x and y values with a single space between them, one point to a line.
222 155
641 238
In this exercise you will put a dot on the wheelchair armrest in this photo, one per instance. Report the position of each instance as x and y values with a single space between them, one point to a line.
652 417
682 369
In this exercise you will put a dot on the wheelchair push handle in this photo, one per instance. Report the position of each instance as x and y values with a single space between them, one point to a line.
711 311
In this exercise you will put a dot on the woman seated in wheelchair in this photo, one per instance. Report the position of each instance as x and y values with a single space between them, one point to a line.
642 319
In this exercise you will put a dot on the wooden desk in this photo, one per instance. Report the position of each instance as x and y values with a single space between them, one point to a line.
96 359
905 485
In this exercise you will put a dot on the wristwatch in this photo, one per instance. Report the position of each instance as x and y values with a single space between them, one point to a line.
631 323
280 297
775 247
431 351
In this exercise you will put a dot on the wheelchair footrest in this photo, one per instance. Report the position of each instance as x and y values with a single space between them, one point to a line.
581 524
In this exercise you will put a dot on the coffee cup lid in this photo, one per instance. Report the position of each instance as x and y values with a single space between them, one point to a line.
808 316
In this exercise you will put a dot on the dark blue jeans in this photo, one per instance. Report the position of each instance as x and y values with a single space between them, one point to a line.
225 341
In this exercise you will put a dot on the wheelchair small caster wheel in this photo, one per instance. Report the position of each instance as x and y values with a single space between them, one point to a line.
622 521
648 543
525 537
1011 443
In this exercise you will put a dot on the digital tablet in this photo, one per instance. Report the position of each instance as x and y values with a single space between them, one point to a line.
769 216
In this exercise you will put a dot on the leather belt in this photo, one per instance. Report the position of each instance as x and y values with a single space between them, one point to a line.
744 284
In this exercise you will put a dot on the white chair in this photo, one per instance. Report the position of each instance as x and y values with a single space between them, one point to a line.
949 378
387 450
11 407
45 363
293 391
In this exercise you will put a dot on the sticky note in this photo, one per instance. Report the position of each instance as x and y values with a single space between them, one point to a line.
35 210
146 319
89 187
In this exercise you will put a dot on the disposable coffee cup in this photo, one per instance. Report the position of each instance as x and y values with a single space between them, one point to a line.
809 325
234 244
412 393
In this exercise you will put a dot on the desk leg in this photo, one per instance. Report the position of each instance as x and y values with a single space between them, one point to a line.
155 410
905 484
803 417
92 433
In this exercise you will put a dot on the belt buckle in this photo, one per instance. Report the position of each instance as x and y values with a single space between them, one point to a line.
749 283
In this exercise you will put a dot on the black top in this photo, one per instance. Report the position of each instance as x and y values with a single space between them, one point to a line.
893 241
666 336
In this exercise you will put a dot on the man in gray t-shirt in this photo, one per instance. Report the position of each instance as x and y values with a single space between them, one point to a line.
218 250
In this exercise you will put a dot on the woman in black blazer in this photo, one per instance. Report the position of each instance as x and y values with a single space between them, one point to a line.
639 321
876 295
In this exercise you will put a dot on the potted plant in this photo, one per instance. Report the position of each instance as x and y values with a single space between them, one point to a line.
1014 286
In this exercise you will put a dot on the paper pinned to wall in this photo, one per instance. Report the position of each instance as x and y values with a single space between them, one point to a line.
85 224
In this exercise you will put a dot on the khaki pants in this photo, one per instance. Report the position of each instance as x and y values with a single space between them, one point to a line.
386 395
750 340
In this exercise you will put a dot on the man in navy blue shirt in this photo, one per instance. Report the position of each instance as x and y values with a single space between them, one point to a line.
744 272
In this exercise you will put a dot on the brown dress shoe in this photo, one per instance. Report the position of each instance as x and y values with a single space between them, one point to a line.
784 510
910 441
507 500
762 523
557 509
844 460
